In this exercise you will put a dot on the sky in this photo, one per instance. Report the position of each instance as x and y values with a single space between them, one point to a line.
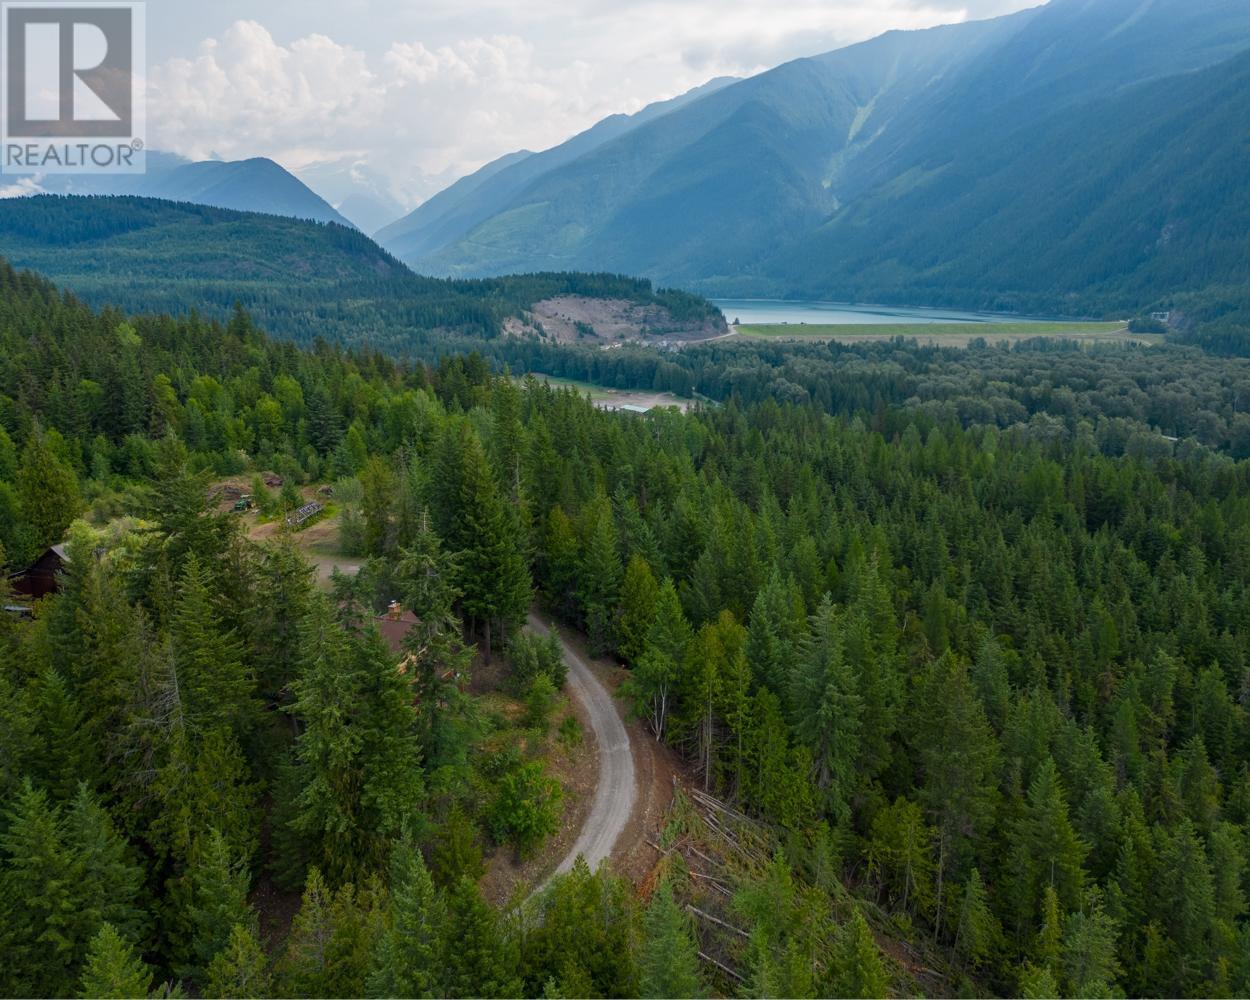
397 99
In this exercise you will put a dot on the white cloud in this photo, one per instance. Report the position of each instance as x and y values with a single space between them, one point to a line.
22 187
425 95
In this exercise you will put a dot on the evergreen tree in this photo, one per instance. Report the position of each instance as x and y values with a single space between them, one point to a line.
559 558
357 770
276 621
1090 966
409 957
733 704
856 961
38 900
583 936
63 757
480 956
456 854
599 575
958 758
977 932
901 853
779 782
216 686
1046 947
656 673
494 579
668 962
435 656
113 969
1185 901
202 783
107 876
1037 983
240 969
640 595
210 900
379 493
61 878
784 940
47 489
328 952
182 520
828 710
1045 850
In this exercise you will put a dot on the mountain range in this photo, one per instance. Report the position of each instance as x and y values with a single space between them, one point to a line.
455 211
1064 158
257 184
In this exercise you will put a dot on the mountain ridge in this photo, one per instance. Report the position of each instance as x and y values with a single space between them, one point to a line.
452 212
767 185
254 184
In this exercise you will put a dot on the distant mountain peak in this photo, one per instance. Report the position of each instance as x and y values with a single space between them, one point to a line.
253 184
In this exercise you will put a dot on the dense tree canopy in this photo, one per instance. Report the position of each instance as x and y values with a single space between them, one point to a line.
991 674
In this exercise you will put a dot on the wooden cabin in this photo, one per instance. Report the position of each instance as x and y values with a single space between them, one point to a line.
39 579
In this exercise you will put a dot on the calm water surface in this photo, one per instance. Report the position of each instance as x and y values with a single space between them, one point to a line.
757 311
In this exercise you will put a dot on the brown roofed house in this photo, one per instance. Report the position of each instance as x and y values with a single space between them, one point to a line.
394 625
39 578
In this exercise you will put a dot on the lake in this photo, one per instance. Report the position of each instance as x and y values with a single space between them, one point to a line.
753 312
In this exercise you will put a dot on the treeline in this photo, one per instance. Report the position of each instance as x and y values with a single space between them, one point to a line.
1217 320
1125 399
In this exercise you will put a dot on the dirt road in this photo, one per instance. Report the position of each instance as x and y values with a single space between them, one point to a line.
617 790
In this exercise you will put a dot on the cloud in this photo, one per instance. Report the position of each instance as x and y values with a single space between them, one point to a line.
426 95
21 187
418 116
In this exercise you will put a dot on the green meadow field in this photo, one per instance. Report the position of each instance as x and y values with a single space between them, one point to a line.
952 334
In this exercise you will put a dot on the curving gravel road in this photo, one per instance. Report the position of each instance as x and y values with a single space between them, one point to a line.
617 789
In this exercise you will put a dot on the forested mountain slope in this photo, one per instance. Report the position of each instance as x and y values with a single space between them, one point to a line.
1078 157
718 182
1110 208
301 279
449 215
983 689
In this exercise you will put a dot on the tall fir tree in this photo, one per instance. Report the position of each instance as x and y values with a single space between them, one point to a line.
207 902
656 675
639 597
599 575
481 954
358 777
409 958
1045 851
828 710
217 685
668 961
240 969
114 971
858 970
47 489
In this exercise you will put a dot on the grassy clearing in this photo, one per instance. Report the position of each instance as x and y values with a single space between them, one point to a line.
611 398
954 334
596 391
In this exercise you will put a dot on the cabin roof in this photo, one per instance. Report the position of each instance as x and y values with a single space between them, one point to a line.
394 629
